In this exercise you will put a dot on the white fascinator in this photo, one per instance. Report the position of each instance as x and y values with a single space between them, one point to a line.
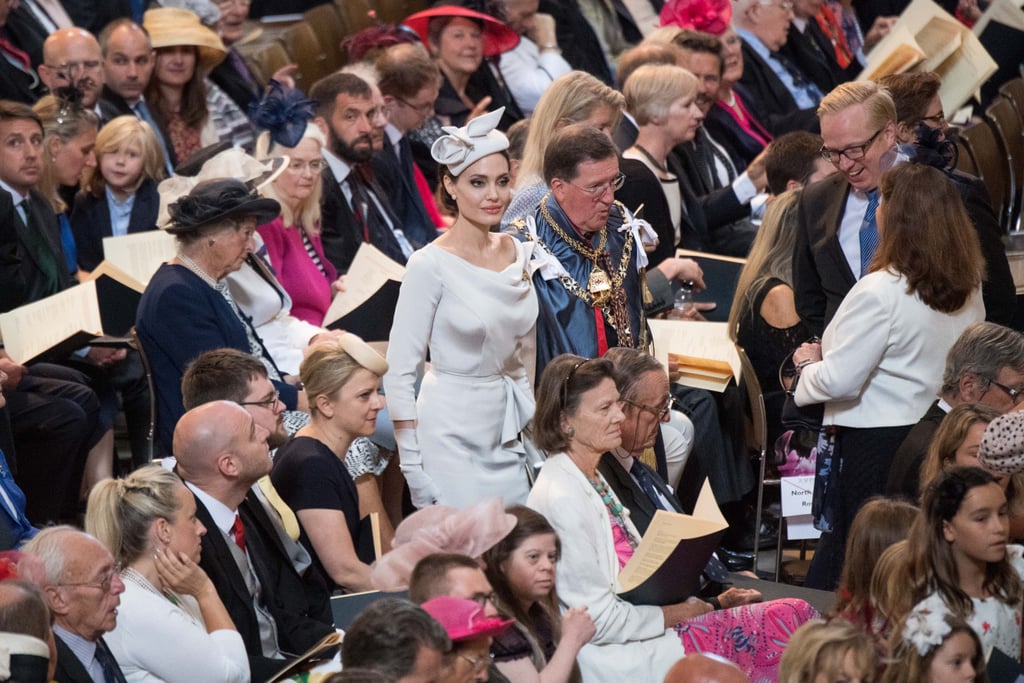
460 148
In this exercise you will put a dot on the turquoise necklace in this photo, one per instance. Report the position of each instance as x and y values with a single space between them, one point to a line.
613 505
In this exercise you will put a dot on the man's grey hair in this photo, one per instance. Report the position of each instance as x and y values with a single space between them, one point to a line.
983 350
48 546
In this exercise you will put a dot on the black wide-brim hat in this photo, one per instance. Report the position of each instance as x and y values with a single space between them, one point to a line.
213 201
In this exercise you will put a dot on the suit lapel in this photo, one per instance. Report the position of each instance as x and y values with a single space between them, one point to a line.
143 207
69 668
220 555
834 212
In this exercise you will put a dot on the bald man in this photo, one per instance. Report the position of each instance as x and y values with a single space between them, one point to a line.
221 451
698 668
72 56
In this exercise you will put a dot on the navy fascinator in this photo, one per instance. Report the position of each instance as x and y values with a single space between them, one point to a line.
934 150
284 112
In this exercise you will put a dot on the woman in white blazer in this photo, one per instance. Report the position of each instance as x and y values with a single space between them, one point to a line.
881 359
578 418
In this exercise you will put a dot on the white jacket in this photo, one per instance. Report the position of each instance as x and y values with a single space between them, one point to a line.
631 643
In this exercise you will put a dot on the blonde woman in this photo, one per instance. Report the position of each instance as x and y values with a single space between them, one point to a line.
342 380
292 240
69 133
119 194
171 624
576 97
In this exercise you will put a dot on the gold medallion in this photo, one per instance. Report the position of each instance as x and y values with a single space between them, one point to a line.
599 286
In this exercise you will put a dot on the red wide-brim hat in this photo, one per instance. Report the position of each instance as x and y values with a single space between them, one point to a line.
498 37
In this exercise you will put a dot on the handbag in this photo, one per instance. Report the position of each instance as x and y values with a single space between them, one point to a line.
793 416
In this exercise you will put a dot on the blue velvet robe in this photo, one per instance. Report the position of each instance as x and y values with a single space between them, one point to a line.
566 323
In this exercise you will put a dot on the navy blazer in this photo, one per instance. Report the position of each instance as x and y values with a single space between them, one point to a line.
90 221
398 182
19 84
71 670
180 317
338 232
299 605
633 498
770 101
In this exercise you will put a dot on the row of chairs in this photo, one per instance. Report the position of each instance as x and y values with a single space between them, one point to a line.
993 150
315 42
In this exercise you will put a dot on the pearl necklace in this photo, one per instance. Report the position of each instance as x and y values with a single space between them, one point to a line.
134 576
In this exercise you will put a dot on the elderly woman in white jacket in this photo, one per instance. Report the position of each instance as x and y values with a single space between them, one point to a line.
880 362
578 419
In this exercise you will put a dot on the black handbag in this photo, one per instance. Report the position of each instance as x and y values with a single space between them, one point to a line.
793 416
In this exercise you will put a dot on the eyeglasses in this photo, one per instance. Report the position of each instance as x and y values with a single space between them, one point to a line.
478 663
595 191
1016 395
228 3
425 109
104 583
69 69
483 598
936 120
853 152
314 165
658 412
266 403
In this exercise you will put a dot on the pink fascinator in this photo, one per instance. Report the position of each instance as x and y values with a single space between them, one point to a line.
440 529
710 16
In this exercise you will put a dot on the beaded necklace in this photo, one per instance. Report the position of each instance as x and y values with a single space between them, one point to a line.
614 506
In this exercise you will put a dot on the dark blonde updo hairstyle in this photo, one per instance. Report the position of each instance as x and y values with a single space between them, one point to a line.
121 512
329 365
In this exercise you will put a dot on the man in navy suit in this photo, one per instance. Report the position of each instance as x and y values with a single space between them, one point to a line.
782 96
409 82
354 208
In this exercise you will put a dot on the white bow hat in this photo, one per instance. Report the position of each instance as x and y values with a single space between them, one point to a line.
462 147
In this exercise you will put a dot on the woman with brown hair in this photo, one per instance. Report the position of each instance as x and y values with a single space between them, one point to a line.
190 110
881 359
579 417
543 644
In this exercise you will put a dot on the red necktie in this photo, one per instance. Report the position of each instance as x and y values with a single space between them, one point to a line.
16 54
238 532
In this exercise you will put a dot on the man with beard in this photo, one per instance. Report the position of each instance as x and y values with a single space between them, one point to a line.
72 57
353 207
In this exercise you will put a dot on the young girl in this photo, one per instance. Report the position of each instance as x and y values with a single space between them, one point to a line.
829 652
935 646
957 440
879 524
958 551
119 195
542 646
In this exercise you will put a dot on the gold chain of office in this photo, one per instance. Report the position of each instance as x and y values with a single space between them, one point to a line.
599 289
599 285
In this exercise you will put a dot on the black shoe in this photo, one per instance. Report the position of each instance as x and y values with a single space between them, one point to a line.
736 560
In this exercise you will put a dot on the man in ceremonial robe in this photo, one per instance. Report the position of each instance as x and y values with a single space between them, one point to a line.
589 262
